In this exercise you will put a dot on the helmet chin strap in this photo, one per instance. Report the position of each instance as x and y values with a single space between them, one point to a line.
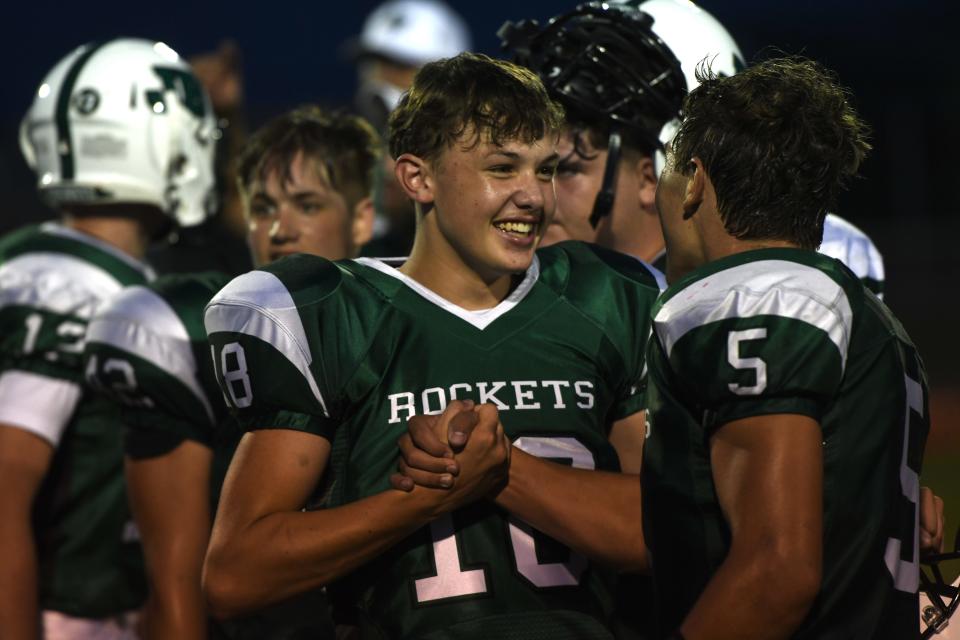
603 205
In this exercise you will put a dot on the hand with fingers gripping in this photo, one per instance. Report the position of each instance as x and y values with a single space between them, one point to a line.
931 522
464 449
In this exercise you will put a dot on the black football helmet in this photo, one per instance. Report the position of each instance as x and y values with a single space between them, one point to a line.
938 599
605 64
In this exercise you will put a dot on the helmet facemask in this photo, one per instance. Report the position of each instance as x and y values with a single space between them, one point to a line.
606 66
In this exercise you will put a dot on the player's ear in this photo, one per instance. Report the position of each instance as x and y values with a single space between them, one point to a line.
361 227
696 188
646 183
415 175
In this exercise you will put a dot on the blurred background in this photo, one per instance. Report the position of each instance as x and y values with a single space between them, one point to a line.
898 58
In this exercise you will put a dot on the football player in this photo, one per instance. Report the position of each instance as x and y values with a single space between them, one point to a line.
605 67
325 362
305 180
622 94
788 408
121 137
621 76
398 37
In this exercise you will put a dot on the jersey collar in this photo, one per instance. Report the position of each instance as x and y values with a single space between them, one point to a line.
479 318
58 229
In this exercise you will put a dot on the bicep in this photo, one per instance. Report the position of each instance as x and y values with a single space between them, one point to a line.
627 436
768 475
24 460
273 470
170 498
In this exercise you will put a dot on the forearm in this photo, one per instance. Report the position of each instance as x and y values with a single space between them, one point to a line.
755 595
174 615
176 607
594 512
286 553
19 610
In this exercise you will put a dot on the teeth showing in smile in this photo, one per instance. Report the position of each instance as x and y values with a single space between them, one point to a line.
522 228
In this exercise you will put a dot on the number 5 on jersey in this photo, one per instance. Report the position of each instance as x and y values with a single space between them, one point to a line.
759 367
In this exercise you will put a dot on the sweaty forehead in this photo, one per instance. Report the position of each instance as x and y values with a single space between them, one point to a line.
538 150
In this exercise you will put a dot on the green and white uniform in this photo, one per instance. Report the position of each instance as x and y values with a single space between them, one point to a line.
846 243
349 350
52 281
147 350
789 331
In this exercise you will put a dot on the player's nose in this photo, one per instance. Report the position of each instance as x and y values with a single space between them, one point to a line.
284 227
529 193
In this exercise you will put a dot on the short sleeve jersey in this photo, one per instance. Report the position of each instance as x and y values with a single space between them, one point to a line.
350 350
779 331
52 281
846 243
147 350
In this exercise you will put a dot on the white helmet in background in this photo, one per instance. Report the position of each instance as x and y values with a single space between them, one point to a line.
414 32
694 36
125 121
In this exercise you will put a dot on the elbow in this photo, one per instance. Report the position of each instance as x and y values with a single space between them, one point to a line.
805 588
629 553
790 583
222 590
634 559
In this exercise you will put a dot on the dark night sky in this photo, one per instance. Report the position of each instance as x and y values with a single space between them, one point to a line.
894 55
898 57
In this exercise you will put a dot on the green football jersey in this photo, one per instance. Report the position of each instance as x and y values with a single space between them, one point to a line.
846 243
52 281
789 331
147 350
350 350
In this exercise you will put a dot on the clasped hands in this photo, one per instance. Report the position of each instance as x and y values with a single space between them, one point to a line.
463 450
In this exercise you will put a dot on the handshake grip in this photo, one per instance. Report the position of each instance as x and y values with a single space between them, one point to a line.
463 450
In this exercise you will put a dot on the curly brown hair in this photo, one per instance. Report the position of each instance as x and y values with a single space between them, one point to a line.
475 95
347 146
779 141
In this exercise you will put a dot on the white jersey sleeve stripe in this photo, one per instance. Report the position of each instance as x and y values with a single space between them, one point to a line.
767 287
56 282
258 304
141 323
39 404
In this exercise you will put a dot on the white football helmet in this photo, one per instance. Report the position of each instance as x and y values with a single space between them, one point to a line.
694 36
125 121
414 32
